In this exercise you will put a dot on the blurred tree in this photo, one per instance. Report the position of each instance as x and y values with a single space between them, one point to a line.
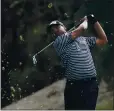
104 14
20 42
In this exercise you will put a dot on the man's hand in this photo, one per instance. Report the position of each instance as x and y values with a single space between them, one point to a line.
84 24
83 19
91 19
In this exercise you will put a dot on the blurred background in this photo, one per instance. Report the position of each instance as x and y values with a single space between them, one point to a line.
23 33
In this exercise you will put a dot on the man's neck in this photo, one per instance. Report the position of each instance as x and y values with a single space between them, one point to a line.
60 33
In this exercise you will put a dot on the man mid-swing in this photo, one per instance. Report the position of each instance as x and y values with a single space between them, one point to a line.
81 89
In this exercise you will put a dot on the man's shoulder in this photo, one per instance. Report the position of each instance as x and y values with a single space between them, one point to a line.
56 41
60 37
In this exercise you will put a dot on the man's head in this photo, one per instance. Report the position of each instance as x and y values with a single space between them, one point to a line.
56 28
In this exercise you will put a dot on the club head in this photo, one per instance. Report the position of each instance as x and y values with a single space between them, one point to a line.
34 60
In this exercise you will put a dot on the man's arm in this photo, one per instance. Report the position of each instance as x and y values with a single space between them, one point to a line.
101 36
78 31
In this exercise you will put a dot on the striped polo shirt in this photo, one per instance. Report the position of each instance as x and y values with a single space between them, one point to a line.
76 56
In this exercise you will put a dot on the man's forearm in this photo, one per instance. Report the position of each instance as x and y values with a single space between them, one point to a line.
102 38
78 31
100 32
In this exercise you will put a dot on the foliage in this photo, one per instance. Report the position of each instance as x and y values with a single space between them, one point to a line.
23 34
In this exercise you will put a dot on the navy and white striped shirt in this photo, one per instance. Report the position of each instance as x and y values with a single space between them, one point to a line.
76 56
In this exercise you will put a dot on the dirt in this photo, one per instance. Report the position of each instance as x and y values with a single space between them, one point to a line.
52 97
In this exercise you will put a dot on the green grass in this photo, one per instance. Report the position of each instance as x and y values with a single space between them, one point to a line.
105 105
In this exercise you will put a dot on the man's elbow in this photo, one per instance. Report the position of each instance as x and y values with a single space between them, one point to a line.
105 41
102 42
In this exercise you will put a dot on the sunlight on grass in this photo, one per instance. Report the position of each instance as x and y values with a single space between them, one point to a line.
105 105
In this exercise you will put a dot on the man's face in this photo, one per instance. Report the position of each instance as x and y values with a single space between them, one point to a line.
58 29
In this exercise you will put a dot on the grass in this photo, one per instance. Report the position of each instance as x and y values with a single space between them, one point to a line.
105 105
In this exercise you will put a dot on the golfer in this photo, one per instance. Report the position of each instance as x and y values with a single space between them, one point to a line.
81 90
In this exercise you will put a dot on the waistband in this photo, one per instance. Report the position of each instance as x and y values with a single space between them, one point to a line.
85 79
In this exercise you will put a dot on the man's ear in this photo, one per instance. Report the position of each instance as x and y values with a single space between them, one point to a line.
53 34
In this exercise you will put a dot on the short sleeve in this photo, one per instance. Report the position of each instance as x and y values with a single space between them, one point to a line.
91 41
62 41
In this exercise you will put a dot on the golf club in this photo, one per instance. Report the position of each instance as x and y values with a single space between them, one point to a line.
34 57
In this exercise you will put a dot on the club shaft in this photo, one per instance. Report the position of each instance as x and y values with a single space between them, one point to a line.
43 49
53 41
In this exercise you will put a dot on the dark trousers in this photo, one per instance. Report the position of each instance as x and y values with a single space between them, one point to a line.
81 94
